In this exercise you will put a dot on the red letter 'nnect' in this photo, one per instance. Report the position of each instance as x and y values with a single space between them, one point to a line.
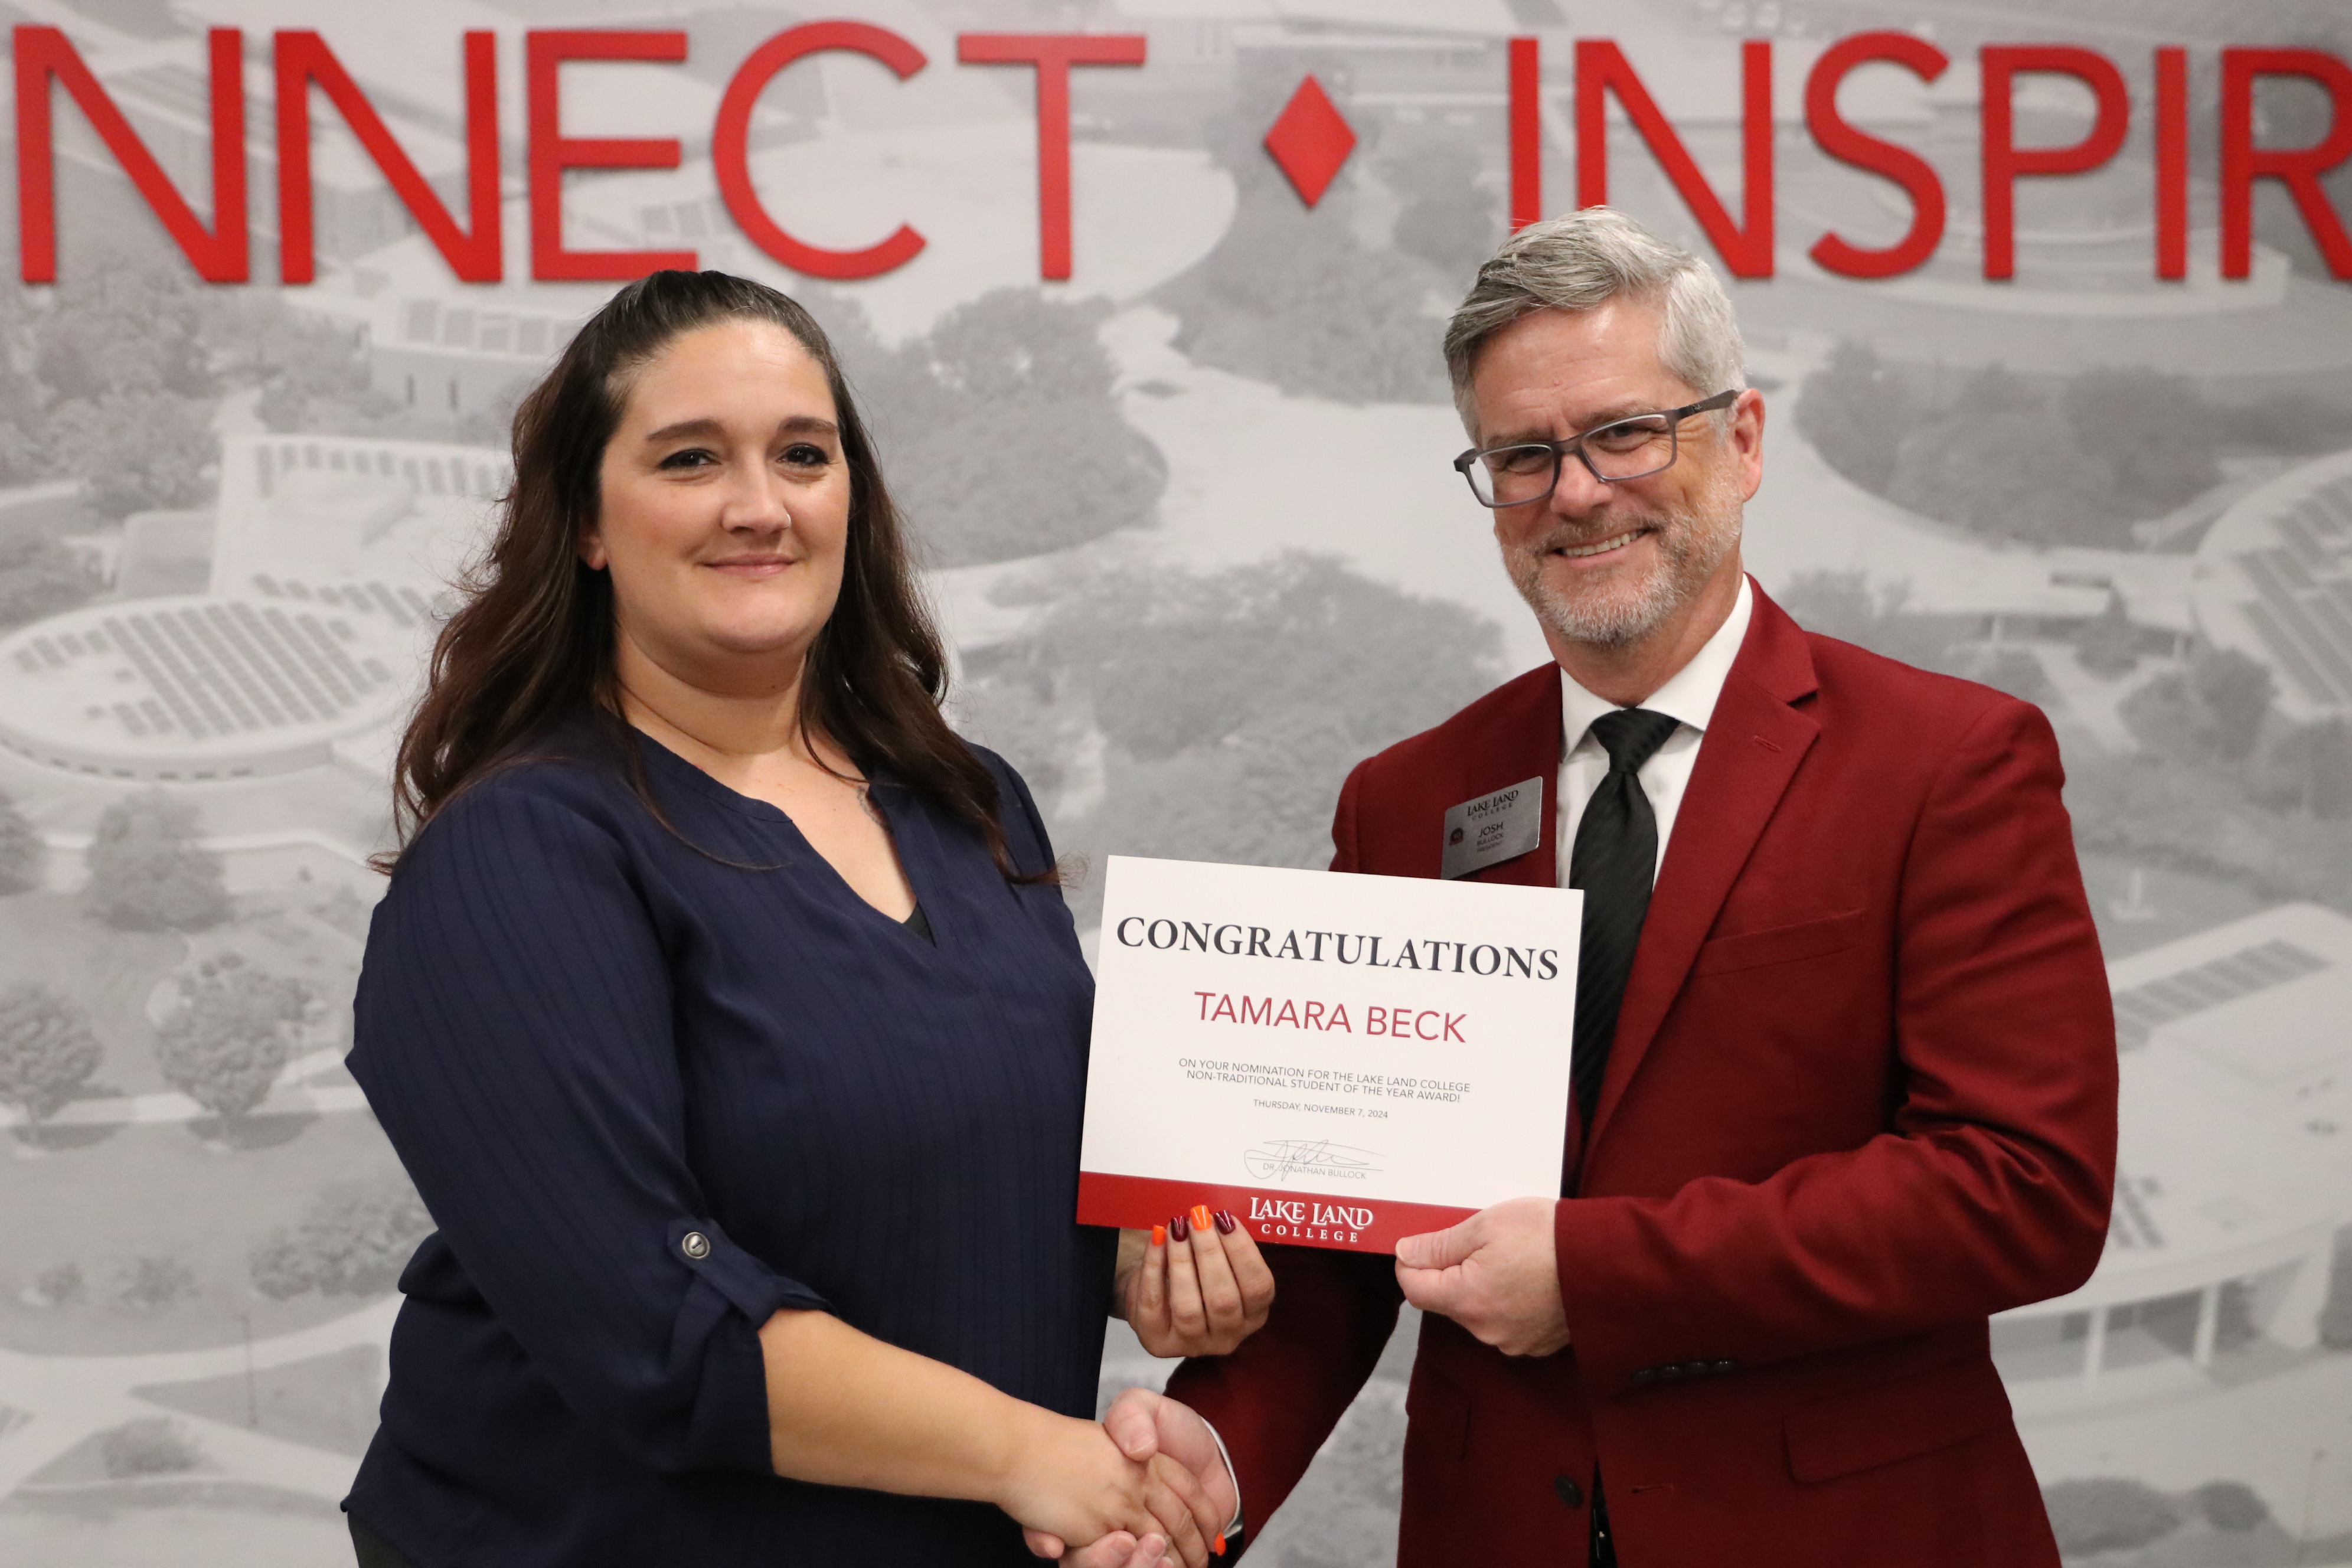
303 58
219 255
2004 161
551 152
731 147
1841 141
1053 53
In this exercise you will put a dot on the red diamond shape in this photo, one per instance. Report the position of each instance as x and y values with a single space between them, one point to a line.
1311 142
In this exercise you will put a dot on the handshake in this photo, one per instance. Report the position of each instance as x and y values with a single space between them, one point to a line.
1162 1493
1147 1489
1153 1471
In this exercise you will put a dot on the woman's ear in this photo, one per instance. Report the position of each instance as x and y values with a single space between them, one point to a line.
591 552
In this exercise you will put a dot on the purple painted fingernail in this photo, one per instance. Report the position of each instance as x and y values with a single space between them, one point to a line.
1179 1229
1225 1223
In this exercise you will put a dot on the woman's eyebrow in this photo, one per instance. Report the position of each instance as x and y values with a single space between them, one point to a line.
798 424
684 427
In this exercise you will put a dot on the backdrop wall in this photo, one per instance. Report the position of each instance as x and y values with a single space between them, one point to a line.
2052 315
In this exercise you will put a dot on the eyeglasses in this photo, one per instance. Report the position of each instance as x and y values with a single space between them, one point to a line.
1629 448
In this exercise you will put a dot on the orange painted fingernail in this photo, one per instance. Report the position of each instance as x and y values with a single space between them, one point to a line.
1200 1220
1158 1235
1218 1546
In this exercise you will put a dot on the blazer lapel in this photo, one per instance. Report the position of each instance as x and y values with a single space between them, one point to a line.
1525 745
1754 743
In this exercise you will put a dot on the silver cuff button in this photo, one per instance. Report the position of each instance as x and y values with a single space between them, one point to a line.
694 1244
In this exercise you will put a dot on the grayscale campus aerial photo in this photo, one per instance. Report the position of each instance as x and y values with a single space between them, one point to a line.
1187 519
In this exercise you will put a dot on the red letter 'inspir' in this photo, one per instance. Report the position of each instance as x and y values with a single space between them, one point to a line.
1841 141
1526 132
2004 161
2172 163
1602 68
2297 168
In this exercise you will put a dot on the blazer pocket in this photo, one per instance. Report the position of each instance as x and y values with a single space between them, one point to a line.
1894 1420
1780 944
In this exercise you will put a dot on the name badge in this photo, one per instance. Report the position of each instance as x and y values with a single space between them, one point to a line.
1493 827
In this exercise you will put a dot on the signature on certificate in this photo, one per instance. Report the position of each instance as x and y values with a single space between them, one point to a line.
1280 1158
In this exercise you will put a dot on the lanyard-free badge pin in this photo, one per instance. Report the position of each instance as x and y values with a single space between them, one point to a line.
1493 827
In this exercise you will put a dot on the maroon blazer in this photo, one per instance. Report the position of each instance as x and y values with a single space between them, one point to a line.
1862 1096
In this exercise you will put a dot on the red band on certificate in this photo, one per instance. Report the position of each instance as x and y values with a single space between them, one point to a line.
1271 1214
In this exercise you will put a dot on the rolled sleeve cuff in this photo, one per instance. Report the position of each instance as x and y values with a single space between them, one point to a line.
750 1286
733 1295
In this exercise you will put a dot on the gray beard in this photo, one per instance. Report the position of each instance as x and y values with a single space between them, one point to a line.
1692 544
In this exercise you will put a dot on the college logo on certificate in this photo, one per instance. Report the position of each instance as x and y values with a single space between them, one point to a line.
1339 1061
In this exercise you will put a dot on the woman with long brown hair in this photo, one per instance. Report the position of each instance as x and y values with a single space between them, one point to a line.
726 1012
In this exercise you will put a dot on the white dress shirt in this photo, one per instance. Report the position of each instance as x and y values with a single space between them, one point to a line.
1689 697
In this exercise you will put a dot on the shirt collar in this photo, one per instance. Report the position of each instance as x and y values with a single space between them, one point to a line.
1689 697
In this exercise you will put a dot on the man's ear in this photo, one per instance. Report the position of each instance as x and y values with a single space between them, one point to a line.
1747 435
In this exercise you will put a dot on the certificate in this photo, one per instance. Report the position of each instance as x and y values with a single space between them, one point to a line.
1339 1061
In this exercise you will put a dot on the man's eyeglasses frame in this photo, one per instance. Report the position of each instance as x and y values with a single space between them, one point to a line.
1574 445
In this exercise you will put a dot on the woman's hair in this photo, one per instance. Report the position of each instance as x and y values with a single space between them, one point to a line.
531 647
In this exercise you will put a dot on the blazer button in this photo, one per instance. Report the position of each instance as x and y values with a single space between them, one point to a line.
1645 1375
1569 1492
694 1244
1723 1366
1672 1368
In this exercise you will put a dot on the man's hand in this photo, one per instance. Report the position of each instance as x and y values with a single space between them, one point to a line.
1068 1480
1144 1424
1497 1274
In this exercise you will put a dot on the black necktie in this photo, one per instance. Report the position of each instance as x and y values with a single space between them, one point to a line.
1614 861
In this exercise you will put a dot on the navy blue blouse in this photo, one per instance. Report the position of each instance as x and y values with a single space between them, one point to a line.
650 1098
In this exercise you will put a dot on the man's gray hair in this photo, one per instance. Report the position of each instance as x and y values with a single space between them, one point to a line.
1580 262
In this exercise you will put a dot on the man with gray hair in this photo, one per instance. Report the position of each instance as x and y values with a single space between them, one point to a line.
1843 1075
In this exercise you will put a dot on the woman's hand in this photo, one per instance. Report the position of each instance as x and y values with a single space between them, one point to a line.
1117 1549
849 1410
1068 1481
1195 1285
